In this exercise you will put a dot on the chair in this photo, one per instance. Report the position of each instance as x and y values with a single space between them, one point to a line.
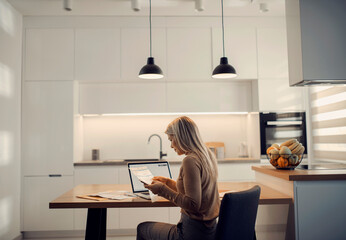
238 214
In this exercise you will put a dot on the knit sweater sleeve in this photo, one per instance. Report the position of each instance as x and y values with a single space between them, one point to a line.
190 201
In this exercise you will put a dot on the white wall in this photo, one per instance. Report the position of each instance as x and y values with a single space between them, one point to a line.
123 137
10 102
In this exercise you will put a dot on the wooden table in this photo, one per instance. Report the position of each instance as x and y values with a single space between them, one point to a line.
97 210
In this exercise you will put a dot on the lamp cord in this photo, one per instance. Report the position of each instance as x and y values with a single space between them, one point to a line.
150 24
223 31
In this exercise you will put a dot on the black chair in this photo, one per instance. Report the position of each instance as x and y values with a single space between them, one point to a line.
238 214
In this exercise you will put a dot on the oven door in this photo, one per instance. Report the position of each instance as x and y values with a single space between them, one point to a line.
280 127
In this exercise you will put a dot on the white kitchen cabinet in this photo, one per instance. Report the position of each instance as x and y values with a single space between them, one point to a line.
189 54
240 49
47 128
148 97
37 193
131 217
98 55
49 54
276 95
235 172
135 49
274 92
209 97
96 175
272 53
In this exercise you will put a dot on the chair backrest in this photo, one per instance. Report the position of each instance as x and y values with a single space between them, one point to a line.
238 214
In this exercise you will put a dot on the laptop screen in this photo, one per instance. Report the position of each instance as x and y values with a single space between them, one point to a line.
157 168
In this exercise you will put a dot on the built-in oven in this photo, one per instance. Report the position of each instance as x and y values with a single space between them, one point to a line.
278 127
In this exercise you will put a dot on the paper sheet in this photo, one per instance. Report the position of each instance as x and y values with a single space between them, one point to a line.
144 175
115 195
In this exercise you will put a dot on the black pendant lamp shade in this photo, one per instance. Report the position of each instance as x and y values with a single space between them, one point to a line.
150 71
224 70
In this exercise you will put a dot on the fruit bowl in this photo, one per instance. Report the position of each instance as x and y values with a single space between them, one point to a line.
285 162
286 156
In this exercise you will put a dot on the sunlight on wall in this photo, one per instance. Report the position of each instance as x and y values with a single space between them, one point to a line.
6 147
332 131
5 216
329 100
6 81
329 115
6 18
334 147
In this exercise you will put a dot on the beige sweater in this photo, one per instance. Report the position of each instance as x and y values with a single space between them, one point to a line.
195 191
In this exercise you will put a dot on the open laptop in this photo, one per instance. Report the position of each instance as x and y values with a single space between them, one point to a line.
157 168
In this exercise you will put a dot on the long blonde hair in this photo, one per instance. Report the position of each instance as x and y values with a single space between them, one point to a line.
189 140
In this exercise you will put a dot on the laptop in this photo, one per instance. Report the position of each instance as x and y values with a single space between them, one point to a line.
157 168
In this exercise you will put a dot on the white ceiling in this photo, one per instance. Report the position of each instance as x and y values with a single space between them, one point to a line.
159 8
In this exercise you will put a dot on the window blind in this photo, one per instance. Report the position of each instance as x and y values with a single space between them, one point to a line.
328 123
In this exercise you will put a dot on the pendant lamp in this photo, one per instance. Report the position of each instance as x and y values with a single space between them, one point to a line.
224 70
150 71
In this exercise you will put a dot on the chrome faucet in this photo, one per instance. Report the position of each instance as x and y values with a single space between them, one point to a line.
161 154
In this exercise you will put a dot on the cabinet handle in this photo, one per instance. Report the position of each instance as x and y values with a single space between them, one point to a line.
55 175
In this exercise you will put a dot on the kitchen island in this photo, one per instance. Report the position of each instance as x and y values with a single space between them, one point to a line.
319 195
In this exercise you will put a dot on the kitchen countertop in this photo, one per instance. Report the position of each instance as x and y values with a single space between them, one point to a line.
328 173
122 162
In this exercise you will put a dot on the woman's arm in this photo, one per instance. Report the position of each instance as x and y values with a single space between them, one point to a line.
191 200
169 182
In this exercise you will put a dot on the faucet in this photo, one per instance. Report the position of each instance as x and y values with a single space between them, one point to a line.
161 154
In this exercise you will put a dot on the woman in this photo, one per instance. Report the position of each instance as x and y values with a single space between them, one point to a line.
195 190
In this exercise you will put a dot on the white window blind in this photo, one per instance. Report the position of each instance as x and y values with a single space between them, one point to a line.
328 116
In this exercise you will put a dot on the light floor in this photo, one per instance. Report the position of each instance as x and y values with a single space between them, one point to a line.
78 238
260 236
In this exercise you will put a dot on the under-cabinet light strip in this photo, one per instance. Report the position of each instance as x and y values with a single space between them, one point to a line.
165 114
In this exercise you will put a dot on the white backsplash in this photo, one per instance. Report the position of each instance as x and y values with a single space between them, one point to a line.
126 137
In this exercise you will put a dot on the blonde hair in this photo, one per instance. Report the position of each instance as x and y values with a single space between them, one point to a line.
189 140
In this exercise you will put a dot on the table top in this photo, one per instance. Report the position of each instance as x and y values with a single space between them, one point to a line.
302 174
70 199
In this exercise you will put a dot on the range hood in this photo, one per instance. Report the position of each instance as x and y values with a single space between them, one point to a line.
316 40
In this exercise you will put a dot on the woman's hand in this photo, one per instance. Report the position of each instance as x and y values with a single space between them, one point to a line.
155 186
161 179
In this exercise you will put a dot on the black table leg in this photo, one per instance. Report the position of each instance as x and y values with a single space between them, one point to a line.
96 224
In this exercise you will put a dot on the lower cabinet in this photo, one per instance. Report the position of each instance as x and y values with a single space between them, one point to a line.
38 191
96 175
236 172
131 217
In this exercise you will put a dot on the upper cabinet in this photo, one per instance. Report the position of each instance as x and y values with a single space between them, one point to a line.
274 92
209 97
98 55
49 54
147 97
240 49
272 53
105 57
135 49
189 54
